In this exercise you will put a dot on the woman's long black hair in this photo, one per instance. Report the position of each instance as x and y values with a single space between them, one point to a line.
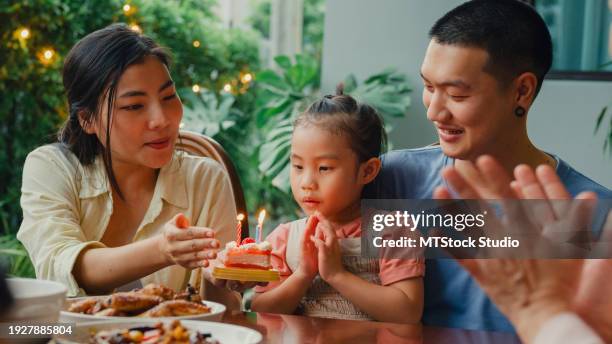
91 72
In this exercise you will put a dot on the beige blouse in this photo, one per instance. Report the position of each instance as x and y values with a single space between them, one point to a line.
67 207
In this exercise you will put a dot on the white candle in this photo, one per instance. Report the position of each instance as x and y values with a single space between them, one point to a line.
260 220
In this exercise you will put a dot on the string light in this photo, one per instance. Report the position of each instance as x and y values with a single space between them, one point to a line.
227 88
136 28
128 9
195 88
46 55
196 43
24 33
246 78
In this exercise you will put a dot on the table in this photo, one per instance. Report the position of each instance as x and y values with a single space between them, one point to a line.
278 328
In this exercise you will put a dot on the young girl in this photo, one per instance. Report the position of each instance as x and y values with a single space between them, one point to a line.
101 206
335 152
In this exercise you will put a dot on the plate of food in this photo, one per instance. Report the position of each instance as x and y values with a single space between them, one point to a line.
152 301
246 261
154 331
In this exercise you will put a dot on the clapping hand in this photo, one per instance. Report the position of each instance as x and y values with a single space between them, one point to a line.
329 253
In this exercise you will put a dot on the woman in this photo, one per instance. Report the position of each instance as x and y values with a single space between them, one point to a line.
101 206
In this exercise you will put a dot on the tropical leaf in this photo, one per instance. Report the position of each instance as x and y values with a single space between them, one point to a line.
271 81
208 112
274 153
388 92
600 118
607 145
14 258
279 107
283 61
281 94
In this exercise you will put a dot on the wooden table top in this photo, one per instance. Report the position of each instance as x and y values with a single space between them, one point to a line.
278 328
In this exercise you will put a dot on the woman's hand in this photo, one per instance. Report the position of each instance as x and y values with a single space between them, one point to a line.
330 255
233 285
308 253
189 247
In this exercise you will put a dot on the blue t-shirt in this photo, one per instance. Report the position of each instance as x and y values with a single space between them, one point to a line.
452 297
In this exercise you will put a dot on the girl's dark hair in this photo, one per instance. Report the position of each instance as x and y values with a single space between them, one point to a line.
91 71
343 115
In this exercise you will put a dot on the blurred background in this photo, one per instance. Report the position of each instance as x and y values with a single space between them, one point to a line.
245 68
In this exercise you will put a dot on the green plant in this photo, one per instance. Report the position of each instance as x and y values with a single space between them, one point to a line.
260 16
312 29
209 113
14 259
281 98
607 146
312 32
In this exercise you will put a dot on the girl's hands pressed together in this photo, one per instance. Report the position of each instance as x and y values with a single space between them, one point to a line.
190 247
329 253
309 266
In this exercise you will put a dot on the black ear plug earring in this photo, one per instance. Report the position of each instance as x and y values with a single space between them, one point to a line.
519 111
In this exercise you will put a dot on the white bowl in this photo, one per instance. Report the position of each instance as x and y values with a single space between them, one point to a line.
224 333
35 300
216 313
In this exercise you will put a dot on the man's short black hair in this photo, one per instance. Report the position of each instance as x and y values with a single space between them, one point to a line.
512 32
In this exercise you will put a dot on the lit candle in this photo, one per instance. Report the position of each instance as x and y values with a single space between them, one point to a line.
260 220
240 217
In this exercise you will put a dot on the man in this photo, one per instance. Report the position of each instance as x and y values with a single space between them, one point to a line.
483 68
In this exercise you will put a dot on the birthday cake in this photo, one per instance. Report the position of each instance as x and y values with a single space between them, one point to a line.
248 254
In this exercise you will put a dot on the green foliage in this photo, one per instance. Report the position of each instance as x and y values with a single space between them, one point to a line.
260 17
607 146
14 259
208 114
222 54
388 92
281 98
33 105
312 30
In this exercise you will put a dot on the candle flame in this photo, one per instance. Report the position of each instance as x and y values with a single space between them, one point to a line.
240 217
262 216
